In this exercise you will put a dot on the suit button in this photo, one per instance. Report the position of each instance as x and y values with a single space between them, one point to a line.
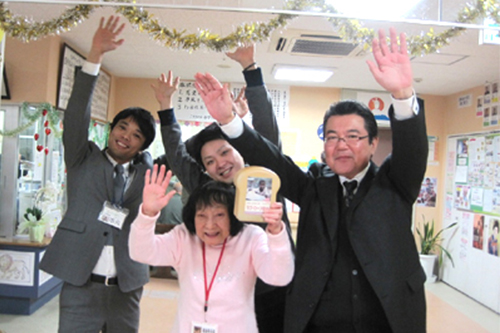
105 234
354 272
325 274
311 305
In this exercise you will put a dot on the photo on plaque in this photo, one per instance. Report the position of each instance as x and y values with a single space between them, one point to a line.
256 189
259 189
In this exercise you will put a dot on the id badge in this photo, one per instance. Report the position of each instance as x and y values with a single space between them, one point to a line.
113 215
203 328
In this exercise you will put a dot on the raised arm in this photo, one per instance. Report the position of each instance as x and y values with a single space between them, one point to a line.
154 195
257 96
273 259
216 97
144 245
180 162
164 90
392 68
272 216
77 115
245 56
105 39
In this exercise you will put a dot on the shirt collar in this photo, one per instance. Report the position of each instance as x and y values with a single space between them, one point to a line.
114 163
359 177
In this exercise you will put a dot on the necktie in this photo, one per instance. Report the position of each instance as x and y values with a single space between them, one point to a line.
118 185
349 188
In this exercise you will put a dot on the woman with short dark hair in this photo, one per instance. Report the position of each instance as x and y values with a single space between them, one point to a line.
217 258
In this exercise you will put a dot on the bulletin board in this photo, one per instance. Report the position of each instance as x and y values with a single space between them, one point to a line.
473 201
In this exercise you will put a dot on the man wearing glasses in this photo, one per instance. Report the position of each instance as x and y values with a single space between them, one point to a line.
357 267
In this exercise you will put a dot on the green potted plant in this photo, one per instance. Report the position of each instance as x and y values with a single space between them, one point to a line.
431 248
35 222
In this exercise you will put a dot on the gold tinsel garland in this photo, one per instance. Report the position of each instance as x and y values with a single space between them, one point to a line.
32 113
350 30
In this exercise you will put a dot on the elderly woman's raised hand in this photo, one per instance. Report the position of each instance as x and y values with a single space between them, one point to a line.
155 196
272 216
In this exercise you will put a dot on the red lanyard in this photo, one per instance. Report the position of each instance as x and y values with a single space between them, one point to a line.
207 290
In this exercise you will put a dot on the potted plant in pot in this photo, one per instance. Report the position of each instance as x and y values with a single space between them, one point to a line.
431 248
35 222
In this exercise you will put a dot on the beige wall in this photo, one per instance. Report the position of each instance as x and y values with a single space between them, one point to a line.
33 70
435 113
134 92
307 108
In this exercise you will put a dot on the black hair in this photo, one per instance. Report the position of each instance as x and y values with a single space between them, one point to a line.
495 224
206 195
144 120
353 107
195 143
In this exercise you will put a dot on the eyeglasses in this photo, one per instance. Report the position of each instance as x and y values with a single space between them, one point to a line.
352 139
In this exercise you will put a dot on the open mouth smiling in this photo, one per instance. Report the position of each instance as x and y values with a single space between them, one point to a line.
225 172
121 144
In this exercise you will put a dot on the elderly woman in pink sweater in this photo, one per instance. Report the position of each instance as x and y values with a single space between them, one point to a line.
217 258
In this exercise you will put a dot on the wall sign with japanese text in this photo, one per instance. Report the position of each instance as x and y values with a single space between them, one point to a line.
190 107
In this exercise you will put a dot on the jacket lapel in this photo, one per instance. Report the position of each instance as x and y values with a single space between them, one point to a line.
136 186
364 186
108 177
328 194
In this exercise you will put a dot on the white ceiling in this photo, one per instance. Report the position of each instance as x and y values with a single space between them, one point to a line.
462 65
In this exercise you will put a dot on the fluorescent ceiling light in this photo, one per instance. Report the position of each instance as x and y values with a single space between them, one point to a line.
300 73
380 9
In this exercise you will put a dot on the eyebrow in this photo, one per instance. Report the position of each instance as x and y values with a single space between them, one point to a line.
123 121
348 131
224 146
217 151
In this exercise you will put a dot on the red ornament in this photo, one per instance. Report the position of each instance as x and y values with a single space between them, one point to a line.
46 151
44 112
47 131
39 147
36 136
46 123
95 124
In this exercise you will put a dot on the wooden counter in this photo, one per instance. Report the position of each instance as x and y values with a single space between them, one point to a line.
24 242
24 288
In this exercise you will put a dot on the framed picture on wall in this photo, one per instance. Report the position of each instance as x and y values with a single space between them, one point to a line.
70 60
5 87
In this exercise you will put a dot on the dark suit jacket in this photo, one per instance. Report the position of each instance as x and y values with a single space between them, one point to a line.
80 237
379 225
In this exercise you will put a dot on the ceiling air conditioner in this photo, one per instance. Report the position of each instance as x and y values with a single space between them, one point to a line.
313 43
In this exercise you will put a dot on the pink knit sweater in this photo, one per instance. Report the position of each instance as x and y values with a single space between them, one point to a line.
249 254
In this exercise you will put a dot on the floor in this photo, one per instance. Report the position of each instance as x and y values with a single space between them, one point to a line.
449 311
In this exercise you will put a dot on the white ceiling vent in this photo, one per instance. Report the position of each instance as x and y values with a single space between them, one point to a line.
312 43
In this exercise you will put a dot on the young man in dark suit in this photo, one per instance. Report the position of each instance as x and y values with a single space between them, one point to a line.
357 266
89 252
